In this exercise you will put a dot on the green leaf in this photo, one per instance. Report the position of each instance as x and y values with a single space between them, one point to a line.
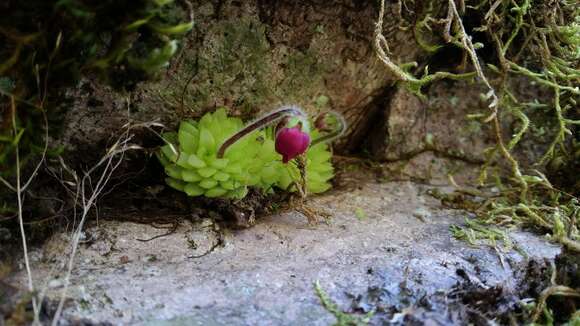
18 136
189 126
322 157
175 184
183 161
228 184
162 159
319 187
215 192
208 183
156 60
314 177
172 30
233 168
195 161
173 171
188 136
238 193
206 140
190 176
221 176
192 189
284 180
206 172
170 152
220 163
138 23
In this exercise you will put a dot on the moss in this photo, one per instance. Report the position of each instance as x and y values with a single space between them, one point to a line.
536 50
342 318
303 72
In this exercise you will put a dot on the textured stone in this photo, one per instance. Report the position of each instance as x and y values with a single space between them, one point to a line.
254 56
264 275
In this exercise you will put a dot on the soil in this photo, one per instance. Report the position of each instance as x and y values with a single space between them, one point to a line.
387 248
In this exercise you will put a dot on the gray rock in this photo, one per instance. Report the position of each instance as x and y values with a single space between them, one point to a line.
264 275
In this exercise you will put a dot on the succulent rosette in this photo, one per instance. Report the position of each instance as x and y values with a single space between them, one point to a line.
191 162
218 156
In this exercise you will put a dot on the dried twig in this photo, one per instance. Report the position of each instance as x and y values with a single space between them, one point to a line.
88 193
19 190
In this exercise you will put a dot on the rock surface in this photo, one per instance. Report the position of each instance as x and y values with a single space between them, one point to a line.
253 56
444 134
380 237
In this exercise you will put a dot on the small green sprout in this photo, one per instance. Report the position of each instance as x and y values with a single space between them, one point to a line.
218 156
360 213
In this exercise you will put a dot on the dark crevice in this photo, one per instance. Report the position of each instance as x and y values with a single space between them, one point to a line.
369 135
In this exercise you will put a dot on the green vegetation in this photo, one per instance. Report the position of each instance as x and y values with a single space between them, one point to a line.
522 43
342 318
47 46
531 43
193 164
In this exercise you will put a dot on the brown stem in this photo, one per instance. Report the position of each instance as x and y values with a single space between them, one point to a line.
262 122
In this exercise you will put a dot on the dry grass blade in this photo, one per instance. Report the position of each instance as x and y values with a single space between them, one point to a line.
88 193
19 189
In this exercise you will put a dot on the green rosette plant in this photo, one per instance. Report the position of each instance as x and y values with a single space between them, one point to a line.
218 156
191 162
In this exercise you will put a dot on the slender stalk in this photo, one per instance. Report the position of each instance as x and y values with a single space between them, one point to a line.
469 47
20 217
260 123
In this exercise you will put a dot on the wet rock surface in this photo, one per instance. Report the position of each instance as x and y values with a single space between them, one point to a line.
387 248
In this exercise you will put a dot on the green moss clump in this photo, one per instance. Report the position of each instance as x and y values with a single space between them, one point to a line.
532 47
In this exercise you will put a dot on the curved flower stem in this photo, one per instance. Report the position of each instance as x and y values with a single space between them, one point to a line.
341 128
261 122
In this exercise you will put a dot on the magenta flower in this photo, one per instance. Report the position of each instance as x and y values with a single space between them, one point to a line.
291 142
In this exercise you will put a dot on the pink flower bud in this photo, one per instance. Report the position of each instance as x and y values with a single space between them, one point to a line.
291 142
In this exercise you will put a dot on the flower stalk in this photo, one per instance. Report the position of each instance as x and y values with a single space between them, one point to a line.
286 111
292 132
